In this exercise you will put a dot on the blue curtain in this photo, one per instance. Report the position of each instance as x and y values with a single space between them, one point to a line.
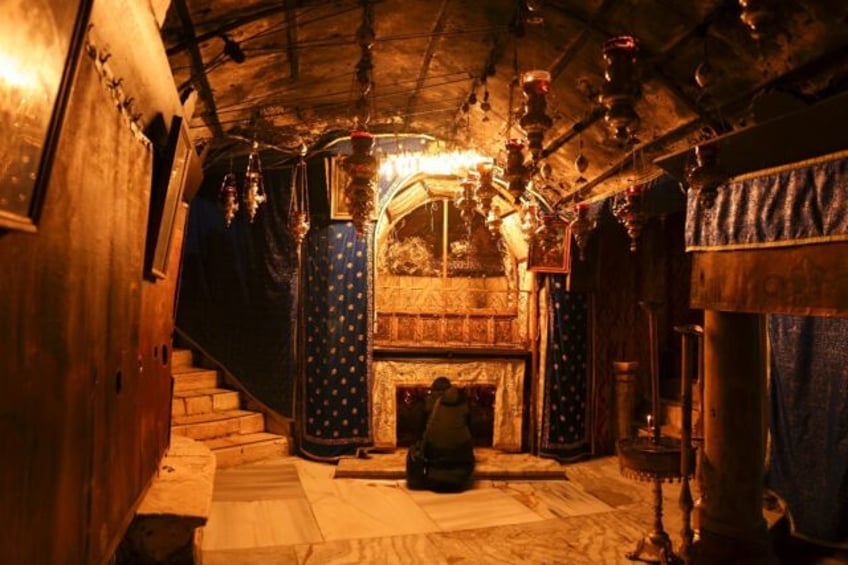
335 405
237 287
809 423
564 415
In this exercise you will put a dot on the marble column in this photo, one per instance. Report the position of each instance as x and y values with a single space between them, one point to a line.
729 514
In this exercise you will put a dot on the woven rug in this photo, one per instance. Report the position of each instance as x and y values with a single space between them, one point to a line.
491 465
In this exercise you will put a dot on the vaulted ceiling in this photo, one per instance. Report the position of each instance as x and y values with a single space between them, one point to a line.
285 72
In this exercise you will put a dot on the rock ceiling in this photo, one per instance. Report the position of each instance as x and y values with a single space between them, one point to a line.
284 72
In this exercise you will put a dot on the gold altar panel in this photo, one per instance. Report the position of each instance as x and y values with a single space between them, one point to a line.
406 327
504 330
478 330
420 311
431 328
507 375
454 330
384 327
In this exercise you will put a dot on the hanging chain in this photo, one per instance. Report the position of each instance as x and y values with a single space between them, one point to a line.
365 67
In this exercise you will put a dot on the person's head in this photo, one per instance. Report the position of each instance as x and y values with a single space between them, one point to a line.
440 385
452 396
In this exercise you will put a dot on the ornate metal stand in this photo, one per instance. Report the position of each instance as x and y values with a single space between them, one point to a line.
658 458
692 353
654 459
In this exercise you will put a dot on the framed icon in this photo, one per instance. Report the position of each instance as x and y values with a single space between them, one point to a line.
39 51
551 252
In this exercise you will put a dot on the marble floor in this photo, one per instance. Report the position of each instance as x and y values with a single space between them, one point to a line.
291 510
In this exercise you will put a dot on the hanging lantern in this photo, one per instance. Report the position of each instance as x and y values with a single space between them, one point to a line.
629 211
619 92
516 171
299 206
545 235
704 176
254 190
361 167
485 191
581 227
228 198
535 122
466 202
757 15
494 221
530 220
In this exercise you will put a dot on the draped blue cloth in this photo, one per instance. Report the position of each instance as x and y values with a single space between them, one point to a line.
565 408
809 423
786 206
337 310
797 204
237 289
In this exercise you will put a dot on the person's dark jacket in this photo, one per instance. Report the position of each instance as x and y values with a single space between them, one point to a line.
449 445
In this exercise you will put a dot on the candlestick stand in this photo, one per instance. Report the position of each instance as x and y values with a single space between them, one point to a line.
654 458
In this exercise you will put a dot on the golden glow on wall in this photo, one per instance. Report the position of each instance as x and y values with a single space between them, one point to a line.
403 165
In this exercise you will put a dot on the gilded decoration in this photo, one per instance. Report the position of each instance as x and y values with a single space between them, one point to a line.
506 375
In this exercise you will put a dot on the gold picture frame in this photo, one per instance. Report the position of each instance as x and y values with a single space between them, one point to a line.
42 42
337 181
555 258
169 182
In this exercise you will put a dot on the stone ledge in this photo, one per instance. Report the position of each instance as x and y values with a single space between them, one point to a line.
183 484
166 525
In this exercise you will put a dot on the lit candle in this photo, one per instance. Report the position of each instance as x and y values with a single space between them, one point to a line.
633 190
650 421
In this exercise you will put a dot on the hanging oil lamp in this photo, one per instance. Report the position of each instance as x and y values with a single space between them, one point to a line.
494 221
254 191
516 172
757 15
535 122
228 198
466 202
581 162
530 220
704 176
619 92
581 227
299 206
629 211
361 167
485 191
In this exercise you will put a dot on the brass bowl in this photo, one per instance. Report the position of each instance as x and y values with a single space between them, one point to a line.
648 458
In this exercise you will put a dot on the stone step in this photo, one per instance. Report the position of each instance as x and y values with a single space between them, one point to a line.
194 378
246 448
175 506
202 400
182 358
218 424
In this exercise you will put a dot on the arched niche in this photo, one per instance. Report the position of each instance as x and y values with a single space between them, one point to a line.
437 285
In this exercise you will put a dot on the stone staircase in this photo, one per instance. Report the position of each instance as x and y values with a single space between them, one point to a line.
204 411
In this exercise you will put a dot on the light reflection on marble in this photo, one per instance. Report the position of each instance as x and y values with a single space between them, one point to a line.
353 508
396 550
276 555
477 508
311 517
264 481
260 523
558 499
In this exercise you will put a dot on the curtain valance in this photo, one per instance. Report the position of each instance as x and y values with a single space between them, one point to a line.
795 204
